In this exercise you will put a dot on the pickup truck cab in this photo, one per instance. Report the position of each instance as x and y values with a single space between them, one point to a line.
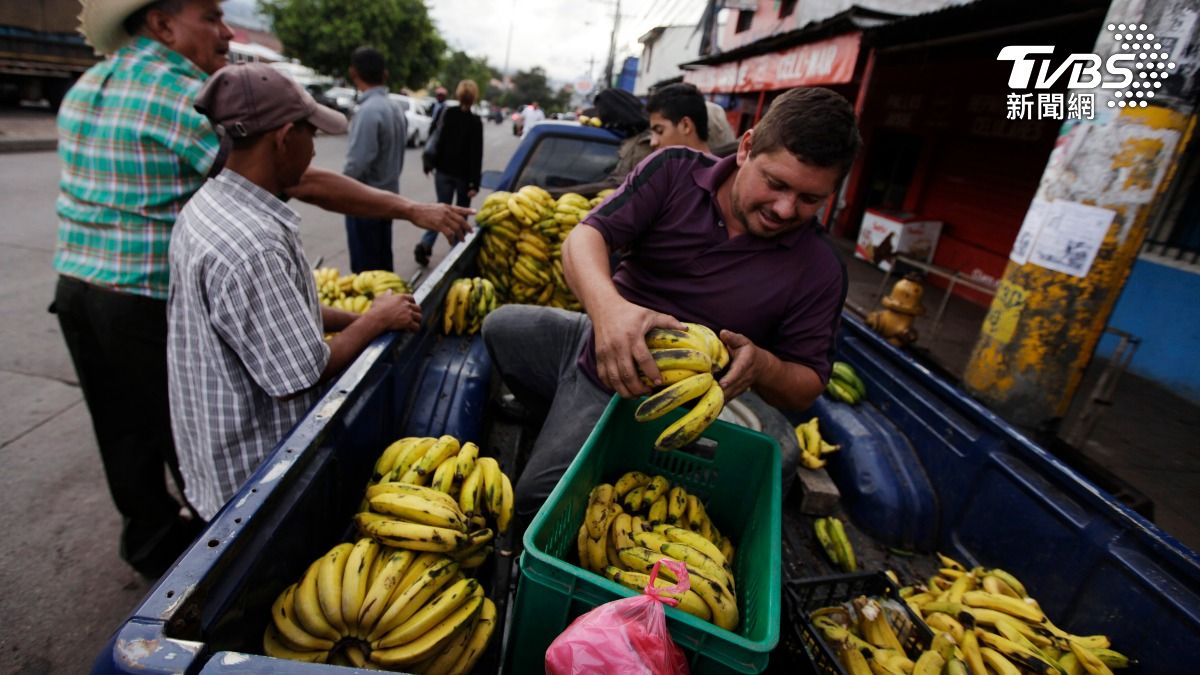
924 468
556 154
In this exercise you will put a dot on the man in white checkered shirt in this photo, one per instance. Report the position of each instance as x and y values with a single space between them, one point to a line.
245 346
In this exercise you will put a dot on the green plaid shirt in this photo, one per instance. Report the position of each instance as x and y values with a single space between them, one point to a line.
134 150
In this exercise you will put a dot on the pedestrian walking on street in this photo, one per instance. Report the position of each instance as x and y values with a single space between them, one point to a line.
133 151
458 158
375 157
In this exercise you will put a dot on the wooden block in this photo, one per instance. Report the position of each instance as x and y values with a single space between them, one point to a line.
819 495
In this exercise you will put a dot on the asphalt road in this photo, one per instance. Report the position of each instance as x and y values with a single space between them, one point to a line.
63 588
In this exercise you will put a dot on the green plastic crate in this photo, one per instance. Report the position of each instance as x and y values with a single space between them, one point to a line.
739 482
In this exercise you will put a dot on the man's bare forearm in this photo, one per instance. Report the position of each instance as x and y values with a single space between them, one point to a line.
586 267
787 385
341 194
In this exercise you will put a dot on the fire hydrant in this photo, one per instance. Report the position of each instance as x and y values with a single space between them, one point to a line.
895 321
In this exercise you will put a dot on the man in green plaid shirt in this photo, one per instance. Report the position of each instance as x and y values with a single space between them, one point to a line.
134 150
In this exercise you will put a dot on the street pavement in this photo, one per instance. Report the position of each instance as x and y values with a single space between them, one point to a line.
63 588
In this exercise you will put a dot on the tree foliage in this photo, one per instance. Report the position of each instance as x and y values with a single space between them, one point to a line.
532 85
458 66
323 34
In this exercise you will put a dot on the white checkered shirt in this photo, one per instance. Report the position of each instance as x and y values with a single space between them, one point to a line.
245 343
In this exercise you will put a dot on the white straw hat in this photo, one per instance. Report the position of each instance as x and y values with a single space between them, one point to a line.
100 22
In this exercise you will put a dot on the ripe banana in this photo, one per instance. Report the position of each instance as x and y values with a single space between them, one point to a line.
283 614
670 398
329 585
420 491
677 501
716 348
694 540
465 462
354 580
688 601
680 358
409 535
485 624
387 459
471 491
308 606
444 448
443 476
410 455
658 510
274 646
385 584
413 595
492 487
436 610
633 499
1002 603
627 482
428 643
657 487
507 504
671 338
689 427
419 509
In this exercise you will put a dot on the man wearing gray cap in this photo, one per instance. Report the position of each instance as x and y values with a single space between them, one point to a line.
133 152
244 345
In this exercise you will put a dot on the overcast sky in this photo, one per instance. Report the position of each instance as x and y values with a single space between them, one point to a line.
561 36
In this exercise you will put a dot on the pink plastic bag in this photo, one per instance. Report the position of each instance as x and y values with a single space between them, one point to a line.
623 636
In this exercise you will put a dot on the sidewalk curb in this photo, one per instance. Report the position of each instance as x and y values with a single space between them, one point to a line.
28 145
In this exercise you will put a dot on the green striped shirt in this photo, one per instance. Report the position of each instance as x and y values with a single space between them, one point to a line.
133 151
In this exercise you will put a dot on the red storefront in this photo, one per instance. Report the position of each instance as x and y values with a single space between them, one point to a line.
931 98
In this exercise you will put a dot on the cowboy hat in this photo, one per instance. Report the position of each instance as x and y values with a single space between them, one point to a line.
100 22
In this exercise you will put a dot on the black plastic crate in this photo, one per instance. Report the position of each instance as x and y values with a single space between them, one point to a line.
805 595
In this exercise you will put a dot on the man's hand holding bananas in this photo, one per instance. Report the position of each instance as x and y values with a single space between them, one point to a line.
622 356
746 363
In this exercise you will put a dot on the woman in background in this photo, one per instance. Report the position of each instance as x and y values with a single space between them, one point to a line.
458 159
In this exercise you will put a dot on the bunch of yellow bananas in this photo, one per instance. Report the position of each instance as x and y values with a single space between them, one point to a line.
376 282
991 618
589 121
521 254
475 485
661 522
366 604
329 290
983 621
467 302
831 534
687 361
354 292
845 385
600 196
812 446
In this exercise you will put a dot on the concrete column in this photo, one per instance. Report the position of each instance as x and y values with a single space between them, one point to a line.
1044 323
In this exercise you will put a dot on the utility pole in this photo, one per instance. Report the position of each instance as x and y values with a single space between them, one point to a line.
1101 185
508 46
707 28
612 48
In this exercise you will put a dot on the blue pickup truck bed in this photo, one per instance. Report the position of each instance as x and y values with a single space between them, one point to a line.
925 468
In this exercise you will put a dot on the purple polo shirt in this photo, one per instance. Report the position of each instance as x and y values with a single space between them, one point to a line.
785 294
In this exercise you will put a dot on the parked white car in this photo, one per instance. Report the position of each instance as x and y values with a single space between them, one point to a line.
419 121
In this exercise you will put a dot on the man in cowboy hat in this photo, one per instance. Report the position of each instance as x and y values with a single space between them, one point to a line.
133 151
245 348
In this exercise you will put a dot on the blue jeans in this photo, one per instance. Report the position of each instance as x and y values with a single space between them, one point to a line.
450 190
370 243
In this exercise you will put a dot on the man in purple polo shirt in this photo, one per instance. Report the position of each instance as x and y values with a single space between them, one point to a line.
732 244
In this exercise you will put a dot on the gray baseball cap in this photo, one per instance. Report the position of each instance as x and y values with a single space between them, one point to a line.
249 98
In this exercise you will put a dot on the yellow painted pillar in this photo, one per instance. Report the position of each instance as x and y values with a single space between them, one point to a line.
1055 298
